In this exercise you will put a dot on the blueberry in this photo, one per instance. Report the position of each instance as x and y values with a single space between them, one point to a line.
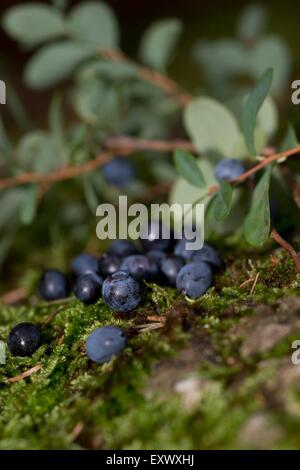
83 264
170 267
104 343
53 285
229 169
109 264
181 249
24 339
140 267
152 237
88 288
122 292
208 254
194 279
119 172
156 255
122 248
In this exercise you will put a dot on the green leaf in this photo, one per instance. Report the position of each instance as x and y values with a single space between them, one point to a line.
29 204
290 139
10 203
272 52
38 151
33 23
211 126
252 22
55 62
186 166
90 193
252 106
257 222
222 201
5 144
158 43
18 110
94 23
118 71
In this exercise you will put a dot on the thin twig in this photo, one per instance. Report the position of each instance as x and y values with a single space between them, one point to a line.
14 296
288 248
25 374
254 284
123 142
245 283
155 78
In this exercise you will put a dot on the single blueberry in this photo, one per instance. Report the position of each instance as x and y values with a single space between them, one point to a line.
109 264
122 248
83 264
156 255
140 267
88 288
171 266
24 339
104 343
208 254
156 236
53 285
122 292
181 248
229 169
119 172
194 279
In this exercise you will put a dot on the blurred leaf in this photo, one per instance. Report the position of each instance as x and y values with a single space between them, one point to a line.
95 23
90 194
55 62
29 204
5 144
252 106
290 139
272 52
38 151
252 22
257 222
61 4
211 126
186 166
222 201
56 120
267 117
159 41
33 23
18 110
10 203
111 70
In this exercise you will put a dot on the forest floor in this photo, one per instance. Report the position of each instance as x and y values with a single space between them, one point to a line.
216 373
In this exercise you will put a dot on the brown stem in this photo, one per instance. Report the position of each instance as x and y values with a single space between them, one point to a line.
155 78
288 248
25 374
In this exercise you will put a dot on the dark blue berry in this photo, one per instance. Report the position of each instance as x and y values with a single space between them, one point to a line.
171 266
229 169
152 237
122 248
88 288
24 339
208 254
53 285
156 256
109 264
83 264
181 248
122 292
104 343
140 267
194 279
119 172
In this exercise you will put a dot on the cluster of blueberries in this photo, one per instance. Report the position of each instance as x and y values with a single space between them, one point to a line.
119 274
118 277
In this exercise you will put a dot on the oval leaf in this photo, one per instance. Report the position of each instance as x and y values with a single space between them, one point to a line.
186 166
252 106
95 23
257 222
54 63
211 126
29 204
159 41
33 23
222 201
